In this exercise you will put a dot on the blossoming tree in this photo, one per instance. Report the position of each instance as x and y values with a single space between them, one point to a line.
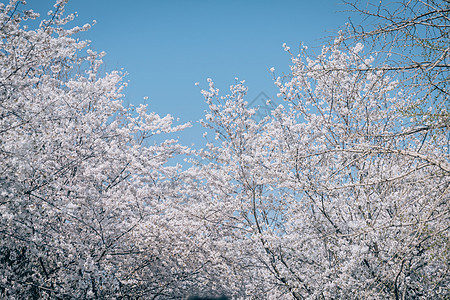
341 192
337 192
86 197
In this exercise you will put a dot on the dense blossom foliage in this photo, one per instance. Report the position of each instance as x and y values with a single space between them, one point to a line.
335 193
339 193
84 193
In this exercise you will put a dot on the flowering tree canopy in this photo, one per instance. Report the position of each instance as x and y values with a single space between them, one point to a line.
84 193
341 192
334 193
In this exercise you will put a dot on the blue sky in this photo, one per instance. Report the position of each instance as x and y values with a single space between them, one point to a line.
168 45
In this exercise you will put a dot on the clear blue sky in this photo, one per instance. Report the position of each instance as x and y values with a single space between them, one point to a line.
168 45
